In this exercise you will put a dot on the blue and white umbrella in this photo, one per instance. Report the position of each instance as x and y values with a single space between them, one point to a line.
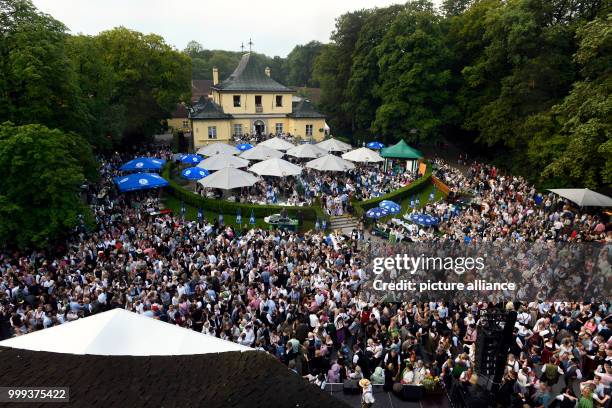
425 220
143 163
139 181
375 145
391 206
194 173
243 147
191 158
377 212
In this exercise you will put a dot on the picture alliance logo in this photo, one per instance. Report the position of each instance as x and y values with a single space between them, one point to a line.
412 264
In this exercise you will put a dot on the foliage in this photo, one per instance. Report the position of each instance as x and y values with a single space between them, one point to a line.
42 172
300 62
414 65
37 79
527 81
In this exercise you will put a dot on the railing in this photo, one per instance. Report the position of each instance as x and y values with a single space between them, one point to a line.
258 108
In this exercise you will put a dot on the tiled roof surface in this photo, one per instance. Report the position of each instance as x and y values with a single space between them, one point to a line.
250 76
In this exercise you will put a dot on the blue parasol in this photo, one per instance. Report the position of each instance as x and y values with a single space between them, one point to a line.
375 145
191 158
244 147
391 206
194 173
425 220
139 181
143 163
377 212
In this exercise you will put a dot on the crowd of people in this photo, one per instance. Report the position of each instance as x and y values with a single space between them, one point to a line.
296 295
490 206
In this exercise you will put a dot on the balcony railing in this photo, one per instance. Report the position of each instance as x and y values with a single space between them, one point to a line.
258 108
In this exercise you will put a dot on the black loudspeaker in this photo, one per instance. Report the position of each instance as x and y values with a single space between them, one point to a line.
493 345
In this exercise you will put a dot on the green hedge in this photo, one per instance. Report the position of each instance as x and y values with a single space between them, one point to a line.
397 195
311 213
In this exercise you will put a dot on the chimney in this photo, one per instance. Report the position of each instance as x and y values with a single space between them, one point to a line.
215 76
268 71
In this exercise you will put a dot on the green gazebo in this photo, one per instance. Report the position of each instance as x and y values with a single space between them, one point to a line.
401 150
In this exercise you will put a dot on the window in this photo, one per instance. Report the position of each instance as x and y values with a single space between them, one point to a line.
279 128
308 130
279 100
185 123
257 100
212 132
238 130
236 101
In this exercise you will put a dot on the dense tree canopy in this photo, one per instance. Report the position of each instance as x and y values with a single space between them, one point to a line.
112 88
528 81
42 173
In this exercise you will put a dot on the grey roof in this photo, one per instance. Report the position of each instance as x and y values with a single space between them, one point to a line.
304 109
207 109
249 75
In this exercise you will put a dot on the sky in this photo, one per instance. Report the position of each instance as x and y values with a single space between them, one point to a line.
275 26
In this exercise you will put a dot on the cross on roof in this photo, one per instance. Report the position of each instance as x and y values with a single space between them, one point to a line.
250 45
242 47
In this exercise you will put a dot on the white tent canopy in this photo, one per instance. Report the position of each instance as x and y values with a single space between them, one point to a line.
306 151
217 148
334 145
119 332
261 152
220 161
276 167
277 143
363 155
228 178
330 163
584 197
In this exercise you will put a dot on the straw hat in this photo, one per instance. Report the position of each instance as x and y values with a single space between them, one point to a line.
364 383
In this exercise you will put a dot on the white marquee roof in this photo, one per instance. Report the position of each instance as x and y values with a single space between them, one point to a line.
277 143
306 150
330 163
276 168
584 197
119 332
220 161
217 148
261 152
363 155
334 145
228 178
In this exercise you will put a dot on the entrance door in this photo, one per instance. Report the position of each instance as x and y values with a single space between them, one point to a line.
260 127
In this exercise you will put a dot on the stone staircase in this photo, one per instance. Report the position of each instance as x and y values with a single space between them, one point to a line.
345 222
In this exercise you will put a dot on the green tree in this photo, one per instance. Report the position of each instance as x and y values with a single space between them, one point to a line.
584 153
332 70
300 63
37 79
361 98
42 172
149 78
415 73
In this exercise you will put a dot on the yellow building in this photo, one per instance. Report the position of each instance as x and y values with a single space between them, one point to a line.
251 102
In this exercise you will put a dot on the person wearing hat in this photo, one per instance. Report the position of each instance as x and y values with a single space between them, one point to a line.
367 398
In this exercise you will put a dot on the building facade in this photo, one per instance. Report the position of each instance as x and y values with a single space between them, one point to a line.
250 102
